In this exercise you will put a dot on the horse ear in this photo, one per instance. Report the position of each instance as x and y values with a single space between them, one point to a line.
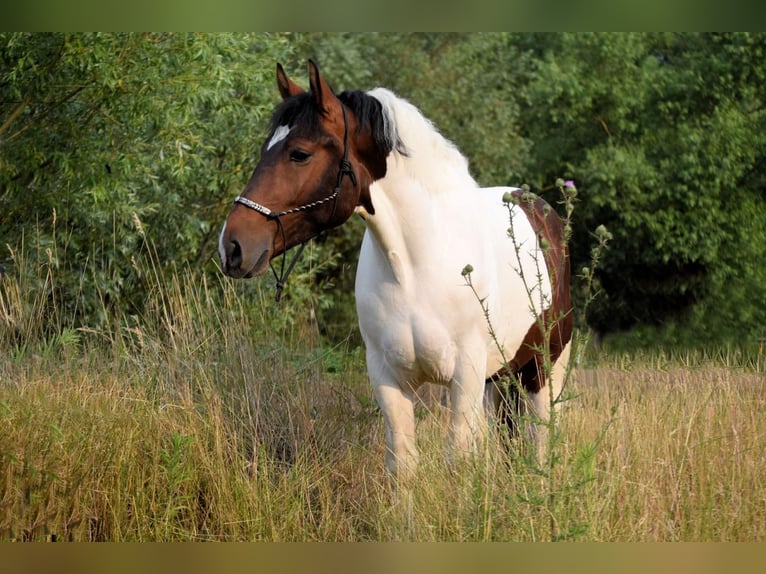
323 94
287 87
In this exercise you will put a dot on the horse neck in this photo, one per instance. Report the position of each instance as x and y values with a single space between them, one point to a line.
421 188
413 206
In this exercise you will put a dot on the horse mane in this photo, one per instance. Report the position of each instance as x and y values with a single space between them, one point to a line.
433 157
370 114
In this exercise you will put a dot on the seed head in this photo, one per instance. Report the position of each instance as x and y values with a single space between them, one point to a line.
603 233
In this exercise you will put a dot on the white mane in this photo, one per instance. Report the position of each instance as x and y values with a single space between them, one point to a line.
427 155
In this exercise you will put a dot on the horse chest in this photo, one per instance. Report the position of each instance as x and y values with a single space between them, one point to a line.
410 332
418 348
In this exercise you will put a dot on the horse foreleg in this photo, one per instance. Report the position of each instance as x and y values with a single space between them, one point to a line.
399 414
468 422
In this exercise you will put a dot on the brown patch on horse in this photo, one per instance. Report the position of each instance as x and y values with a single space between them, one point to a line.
528 363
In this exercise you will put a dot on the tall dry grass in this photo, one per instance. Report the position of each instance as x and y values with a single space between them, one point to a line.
216 417
684 457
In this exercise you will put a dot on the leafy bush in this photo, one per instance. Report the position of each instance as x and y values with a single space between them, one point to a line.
108 138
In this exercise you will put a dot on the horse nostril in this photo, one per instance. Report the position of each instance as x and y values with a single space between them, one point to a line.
235 255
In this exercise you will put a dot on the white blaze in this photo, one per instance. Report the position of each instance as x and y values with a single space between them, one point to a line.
279 134
221 250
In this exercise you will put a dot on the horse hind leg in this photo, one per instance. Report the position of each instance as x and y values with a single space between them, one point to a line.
507 402
527 396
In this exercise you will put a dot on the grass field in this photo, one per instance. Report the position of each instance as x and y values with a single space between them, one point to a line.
207 420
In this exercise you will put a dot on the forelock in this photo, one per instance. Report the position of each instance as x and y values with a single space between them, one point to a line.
297 112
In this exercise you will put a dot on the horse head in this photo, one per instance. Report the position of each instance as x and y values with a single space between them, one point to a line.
315 169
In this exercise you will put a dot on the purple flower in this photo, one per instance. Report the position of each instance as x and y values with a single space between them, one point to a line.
569 183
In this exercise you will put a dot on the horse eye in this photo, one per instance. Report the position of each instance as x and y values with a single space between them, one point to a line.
299 156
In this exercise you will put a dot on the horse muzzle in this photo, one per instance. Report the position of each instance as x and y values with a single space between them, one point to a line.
241 258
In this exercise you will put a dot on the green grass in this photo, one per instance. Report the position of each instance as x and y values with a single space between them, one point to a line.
217 417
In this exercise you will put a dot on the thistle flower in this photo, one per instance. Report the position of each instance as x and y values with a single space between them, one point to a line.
568 187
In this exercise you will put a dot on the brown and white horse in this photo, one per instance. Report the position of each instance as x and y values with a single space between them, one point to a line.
329 156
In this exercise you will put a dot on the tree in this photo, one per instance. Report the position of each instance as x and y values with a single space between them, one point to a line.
664 134
103 135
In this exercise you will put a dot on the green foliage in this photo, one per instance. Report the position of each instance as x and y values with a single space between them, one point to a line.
108 138
664 134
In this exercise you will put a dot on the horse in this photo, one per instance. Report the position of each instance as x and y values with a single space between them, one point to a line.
422 316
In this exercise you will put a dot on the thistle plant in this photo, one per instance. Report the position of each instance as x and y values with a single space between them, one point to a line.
555 486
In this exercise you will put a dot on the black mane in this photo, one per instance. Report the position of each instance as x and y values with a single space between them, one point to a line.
369 115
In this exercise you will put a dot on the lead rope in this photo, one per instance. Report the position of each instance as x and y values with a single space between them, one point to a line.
346 169
281 279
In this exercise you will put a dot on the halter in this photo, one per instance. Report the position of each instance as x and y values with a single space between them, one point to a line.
344 170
